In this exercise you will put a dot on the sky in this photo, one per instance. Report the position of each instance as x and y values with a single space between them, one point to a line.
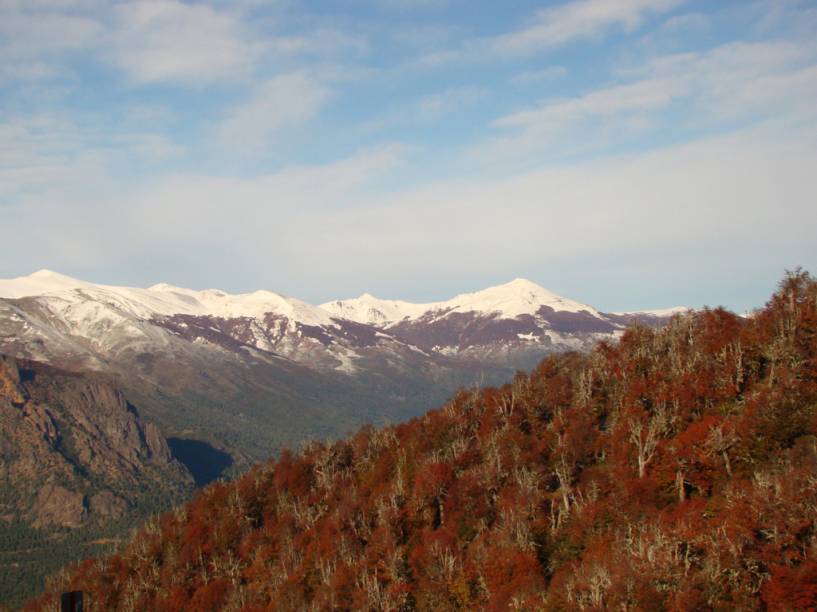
624 153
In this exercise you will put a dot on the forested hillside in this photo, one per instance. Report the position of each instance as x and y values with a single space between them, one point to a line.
676 469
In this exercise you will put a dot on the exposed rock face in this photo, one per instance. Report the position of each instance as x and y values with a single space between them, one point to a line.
73 450
56 505
10 381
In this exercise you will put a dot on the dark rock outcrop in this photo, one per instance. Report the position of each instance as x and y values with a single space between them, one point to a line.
73 450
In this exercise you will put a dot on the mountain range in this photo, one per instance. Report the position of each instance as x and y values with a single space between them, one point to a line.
52 317
252 372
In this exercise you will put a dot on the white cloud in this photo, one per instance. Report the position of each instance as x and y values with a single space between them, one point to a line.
278 104
409 4
60 193
737 82
169 40
27 34
688 22
35 37
36 152
550 28
71 211
752 190
316 41
749 189
634 97
426 109
577 20
160 41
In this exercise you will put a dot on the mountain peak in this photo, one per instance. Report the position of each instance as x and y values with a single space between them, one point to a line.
163 287
517 297
38 283
43 273
521 283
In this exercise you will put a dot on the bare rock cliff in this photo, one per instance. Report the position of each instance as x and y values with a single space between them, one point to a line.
73 451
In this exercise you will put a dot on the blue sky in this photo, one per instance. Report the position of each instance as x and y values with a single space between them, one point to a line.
626 153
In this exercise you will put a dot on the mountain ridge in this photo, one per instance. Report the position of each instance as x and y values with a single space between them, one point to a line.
508 300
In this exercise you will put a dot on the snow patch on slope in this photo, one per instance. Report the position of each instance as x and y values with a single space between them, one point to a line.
373 311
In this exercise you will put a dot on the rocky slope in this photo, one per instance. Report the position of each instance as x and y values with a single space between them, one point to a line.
76 460
73 450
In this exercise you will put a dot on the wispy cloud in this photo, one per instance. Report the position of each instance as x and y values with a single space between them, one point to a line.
688 22
640 96
169 40
278 104
409 4
731 83
35 37
577 20
427 109
552 27
26 32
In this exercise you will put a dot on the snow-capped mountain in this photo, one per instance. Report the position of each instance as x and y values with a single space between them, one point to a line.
251 372
517 318
261 369
52 310
48 315
507 301
163 299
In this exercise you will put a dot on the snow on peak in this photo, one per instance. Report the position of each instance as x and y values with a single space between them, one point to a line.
41 282
164 287
509 300
168 300
163 299
262 302
518 297
373 311
44 273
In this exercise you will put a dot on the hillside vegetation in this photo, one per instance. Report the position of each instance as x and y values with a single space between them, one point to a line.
676 469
